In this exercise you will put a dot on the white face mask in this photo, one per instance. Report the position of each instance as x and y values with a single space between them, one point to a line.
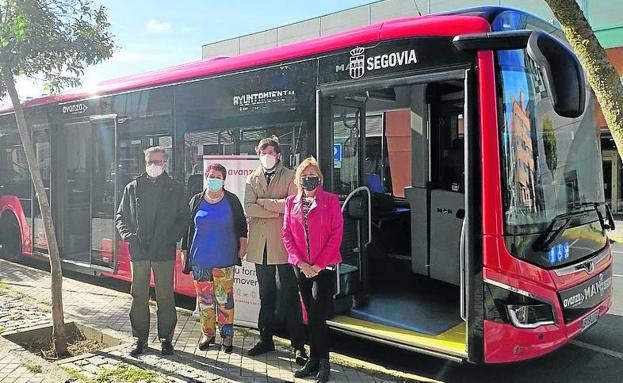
154 171
268 161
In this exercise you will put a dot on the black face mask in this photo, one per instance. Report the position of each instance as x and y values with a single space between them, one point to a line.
310 183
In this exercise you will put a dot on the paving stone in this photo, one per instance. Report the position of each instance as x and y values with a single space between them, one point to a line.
108 309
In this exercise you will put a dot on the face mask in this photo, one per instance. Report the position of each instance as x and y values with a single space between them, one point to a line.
268 161
215 184
310 183
154 171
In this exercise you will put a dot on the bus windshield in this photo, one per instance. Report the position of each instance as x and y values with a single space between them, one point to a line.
550 164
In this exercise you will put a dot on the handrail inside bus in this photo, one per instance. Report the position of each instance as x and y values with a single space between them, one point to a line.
344 205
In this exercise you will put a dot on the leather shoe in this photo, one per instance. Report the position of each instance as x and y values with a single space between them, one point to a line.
166 348
205 343
260 348
300 356
324 370
310 368
137 349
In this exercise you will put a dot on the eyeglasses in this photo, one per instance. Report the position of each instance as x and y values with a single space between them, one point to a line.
156 162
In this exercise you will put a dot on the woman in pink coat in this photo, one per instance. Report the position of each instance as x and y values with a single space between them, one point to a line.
312 235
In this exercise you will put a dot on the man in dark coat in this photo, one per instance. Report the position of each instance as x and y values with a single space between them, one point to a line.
152 216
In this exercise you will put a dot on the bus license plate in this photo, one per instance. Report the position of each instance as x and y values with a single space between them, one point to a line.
590 320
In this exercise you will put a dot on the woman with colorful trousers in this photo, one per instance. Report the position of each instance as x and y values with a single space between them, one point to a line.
216 241
312 235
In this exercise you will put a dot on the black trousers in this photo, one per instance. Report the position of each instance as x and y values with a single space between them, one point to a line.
275 281
317 294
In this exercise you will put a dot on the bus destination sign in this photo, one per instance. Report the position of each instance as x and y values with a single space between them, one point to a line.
390 57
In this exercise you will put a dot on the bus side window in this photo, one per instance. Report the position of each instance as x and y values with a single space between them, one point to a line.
446 106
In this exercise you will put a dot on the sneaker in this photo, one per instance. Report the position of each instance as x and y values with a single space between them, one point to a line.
137 349
300 357
166 348
261 347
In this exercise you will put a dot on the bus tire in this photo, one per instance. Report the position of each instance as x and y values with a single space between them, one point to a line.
10 237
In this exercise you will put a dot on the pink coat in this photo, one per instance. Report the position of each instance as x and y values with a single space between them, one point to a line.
325 230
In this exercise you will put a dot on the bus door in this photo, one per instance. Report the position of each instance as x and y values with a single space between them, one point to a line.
86 159
341 146
73 183
103 197
447 186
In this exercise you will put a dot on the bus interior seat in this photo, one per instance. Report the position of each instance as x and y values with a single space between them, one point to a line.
374 183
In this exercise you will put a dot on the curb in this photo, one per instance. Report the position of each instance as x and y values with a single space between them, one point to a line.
372 369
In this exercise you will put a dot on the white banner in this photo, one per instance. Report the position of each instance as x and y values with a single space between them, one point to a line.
246 292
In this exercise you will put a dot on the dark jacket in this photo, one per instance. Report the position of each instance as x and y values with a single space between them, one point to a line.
170 222
240 222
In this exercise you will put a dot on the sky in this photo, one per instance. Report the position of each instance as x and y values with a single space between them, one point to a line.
152 34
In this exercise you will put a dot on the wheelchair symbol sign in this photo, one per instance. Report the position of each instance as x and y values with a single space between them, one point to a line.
337 152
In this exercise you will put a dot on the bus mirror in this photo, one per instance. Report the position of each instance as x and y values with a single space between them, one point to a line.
562 71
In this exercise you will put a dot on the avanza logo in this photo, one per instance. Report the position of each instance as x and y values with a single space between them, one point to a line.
358 64
597 288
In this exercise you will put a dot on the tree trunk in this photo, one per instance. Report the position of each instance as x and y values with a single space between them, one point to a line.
58 321
600 73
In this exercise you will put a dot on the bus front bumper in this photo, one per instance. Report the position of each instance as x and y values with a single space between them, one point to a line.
506 343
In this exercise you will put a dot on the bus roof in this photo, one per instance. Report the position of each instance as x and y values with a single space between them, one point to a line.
470 20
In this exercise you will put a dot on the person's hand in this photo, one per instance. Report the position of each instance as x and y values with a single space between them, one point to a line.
242 253
316 269
307 269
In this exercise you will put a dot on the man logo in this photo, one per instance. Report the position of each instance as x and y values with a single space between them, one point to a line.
356 65
589 267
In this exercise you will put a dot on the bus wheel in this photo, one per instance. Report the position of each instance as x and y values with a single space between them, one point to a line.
10 237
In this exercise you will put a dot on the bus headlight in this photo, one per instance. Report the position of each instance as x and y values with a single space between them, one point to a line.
517 307
530 315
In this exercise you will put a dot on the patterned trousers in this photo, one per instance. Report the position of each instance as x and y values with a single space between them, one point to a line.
215 296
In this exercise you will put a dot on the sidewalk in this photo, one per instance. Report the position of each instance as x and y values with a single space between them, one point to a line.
106 309
617 234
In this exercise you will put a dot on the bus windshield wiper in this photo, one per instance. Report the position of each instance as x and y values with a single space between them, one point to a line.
600 214
561 222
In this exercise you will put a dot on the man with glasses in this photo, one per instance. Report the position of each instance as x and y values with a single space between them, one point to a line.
152 216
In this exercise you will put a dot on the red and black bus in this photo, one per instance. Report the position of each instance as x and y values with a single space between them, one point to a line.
462 145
